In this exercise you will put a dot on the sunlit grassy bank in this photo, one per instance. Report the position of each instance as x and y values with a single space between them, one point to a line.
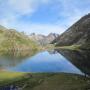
9 75
72 47
75 47
45 81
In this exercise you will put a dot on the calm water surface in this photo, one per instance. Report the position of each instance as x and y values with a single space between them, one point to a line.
46 61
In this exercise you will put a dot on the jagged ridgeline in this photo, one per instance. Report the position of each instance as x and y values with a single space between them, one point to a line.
77 34
11 40
43 40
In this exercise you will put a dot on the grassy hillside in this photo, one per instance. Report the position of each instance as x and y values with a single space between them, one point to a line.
11 40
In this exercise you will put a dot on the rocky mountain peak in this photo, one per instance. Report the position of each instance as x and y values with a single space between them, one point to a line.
43 39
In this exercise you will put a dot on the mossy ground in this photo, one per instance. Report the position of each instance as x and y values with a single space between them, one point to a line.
45 81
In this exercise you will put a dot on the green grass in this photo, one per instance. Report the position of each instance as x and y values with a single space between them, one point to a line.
9 75
64 82
45 81
72 47
75 47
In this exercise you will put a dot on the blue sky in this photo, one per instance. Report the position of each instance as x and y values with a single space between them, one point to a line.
42 16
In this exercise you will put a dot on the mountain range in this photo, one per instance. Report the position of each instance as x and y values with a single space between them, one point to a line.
43 39
77 34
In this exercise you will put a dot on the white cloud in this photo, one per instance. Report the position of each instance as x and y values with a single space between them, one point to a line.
46 28
22 6
40 28
71 10
26 6
8 20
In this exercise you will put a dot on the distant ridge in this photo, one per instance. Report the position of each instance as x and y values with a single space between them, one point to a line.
42 39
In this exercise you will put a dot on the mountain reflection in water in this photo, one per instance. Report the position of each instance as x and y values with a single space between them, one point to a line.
66 61
81 59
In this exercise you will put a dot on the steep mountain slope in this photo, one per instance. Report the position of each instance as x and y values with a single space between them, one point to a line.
10 39
77 34
37 38
42 39
51 37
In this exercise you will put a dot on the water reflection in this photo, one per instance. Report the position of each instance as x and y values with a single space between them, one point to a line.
11 59
81 59
48 61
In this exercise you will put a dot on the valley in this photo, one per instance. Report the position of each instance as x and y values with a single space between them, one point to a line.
48 62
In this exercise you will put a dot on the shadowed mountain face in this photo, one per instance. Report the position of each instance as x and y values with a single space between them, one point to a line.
79 58
42 39
79 33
